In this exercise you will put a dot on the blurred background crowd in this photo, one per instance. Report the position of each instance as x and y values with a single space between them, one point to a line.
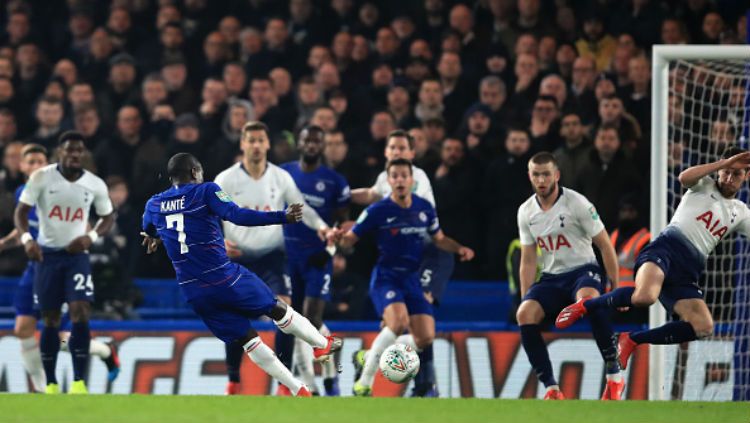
481 86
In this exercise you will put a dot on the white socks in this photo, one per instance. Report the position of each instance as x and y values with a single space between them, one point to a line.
296 324
99 349
615 377
407 339
96 348
32 362
265 358
385 338
328 368
303 360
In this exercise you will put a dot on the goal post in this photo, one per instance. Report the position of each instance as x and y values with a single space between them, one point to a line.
694 96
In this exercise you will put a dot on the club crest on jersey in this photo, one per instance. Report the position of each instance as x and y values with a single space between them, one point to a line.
713 226
422 216
223 196
320 186
562 221
552 243
594 214
65 214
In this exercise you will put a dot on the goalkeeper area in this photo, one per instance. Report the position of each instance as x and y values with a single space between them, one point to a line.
186 409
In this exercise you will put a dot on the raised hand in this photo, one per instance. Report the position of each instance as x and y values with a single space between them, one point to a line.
738 161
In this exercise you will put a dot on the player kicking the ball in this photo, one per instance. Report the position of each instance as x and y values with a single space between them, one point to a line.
669 268
187 219
403 222
562 224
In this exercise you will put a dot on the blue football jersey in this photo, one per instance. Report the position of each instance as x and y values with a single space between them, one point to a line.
33 219
325 190
401 233
187 218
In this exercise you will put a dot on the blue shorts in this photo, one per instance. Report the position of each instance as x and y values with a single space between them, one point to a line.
311 274
227 310
555 292
23 300
681 263
436 270
271 269
61 278
390 286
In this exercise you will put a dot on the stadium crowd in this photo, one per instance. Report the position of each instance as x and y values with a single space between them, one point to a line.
480 85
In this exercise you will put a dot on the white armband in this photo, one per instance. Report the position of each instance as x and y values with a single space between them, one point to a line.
93 235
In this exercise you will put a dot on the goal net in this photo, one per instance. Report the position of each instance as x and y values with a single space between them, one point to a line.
702 105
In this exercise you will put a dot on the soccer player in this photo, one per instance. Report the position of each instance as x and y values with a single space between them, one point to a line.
256 184
436 267
63 194
187 220
562 224
309 262
402 221
669 268
34 156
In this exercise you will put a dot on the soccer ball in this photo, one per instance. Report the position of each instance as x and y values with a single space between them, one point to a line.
399 363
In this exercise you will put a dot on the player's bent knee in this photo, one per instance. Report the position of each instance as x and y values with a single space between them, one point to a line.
529 313
703 328
642 299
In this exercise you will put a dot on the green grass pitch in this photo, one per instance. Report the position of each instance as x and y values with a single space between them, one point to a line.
216 409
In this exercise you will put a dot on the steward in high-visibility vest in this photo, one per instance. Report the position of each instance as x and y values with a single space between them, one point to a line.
627 250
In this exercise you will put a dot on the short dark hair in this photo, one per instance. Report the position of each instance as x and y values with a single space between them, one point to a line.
548 98
181 165
312 128
255 125
398 162
70 136
732 150
543 157
608 127
400 133
32 149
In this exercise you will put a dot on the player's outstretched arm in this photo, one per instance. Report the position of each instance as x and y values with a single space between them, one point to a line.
365 196
222 205
527 269
21 220
693 174
450 245
609 256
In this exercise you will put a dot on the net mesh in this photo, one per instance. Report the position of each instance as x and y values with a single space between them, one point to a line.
709 109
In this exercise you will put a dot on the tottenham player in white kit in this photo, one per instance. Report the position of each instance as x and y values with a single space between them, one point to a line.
670 267
63 194
254 183
437 265
562 224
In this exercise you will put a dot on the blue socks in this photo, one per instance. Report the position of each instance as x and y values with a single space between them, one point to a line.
605 338
79 343
426 374
670 333
49 346
233 360
284 346
620 297
536 349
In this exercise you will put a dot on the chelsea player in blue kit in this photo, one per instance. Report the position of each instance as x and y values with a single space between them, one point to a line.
187 220
309 263
402 221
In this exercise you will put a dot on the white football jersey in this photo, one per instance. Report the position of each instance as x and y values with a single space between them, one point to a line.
62 206
422 186
272 192
704 216
563 233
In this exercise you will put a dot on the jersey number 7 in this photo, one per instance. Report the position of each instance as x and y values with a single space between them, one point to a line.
177 221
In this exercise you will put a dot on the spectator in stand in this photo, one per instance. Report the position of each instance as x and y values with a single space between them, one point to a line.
673 32
457 95
235 79
612 112
121 86
608 175
505 188
86 121
543 125
637 95
493 94
10 174
582 88
430 103
181 95
381 124
309 98
574 151
214 107
325 118
153 93
49 118
596 43
482 141
399 105
713 25
527 83
553 85
8 128
426 157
